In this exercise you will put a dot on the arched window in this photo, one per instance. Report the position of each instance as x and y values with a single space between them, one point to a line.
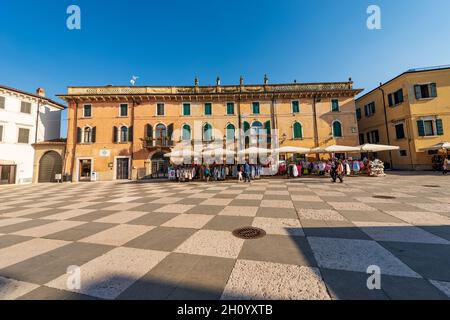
207 132
87 135
186 134
124 137
161 135
247 133
337 129
231 132
297 130
257 132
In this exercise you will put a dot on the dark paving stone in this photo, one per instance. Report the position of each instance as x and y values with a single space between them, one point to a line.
153 219
92 216
282 213
48 266
191 201
440 231
367 216
394 207
228 223
46 293
403 288
224 196
10 240
332 229
149 207
23 225
205 209
162 239
245 203
43 214
13 208
279 249
183 277
311 205
276 197
80 232
431 261
348 285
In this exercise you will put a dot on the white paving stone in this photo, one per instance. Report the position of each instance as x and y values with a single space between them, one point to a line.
118 235
320 214
12 289
193 221
49 228
351 206
175 208
122 217
421 218
276 204
272 281
357 255
239 211
285 227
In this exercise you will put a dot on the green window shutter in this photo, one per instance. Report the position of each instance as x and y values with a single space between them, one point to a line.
391 100
78 135
256 108
295 107
130 134
170 134
268 129
335 105
230 108
246 126
433 90
400 96
337 129
94 134
421 128
418 92
186 109
208 109
115 134
297 131
439 127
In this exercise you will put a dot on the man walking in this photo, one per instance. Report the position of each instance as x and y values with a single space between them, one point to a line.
247 172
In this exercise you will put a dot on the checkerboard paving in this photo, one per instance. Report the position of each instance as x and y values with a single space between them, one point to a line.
174 240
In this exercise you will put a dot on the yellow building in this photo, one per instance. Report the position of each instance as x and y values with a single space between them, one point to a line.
123 132
411 111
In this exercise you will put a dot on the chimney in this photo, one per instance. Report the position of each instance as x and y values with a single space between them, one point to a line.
40 92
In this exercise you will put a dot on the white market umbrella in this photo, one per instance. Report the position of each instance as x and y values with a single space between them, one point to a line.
377 148
218 152
439 146
182 153
299 150
335 149
254 150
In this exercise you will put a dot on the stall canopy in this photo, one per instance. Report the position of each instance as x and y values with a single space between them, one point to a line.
218 152
298 150
439 146
377 148
182 153
335 149
254 150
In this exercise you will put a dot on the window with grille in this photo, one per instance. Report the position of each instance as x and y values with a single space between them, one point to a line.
24 135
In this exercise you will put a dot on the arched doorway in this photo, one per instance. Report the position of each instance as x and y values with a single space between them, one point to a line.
49 166
160 166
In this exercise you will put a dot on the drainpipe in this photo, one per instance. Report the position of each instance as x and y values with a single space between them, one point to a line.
386 124
316 131
37 121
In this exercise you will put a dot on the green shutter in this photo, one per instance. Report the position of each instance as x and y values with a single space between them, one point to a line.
400 96
297 131
335 105
439 127
255 107
433 90
208 109
337 129
421 128
230 108
295 107
78 135
186 109
418 92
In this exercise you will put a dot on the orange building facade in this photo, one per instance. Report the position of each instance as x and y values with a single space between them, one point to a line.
120 133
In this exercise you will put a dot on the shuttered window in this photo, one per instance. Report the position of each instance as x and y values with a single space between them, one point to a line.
358 114
207 132
369 109
208 109
25 107
160 109
337 129
361 138
396 98
400 131
255 108
439 127
186 135
2 102
335 105
425 91
295 106
186 109
230 108
124 110
24 135
87 111
1 133
298 134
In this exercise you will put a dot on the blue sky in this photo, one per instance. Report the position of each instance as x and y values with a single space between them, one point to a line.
169 42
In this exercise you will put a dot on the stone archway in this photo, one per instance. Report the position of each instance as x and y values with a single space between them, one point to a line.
50 165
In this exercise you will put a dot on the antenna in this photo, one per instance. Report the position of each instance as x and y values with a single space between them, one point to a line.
133 80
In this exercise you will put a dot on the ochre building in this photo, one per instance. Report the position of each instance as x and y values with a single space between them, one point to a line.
117 133
411 111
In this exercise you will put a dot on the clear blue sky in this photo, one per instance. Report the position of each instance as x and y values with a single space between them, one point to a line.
169 42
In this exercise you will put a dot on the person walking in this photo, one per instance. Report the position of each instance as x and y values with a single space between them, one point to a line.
207 173
247 172
337 171
445 166
239 173
340 171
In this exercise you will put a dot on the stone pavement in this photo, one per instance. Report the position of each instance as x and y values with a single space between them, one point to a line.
174 241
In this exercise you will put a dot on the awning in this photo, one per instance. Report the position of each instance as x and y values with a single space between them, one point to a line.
439 146
298 150
335 149
182 153
377 147
254 150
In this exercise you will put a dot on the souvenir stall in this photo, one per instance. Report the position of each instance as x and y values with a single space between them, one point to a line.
375 167
182 167
443 151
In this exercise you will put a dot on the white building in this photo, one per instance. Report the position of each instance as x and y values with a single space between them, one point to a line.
25 119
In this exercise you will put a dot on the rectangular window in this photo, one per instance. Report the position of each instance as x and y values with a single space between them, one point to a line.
2 102
395 98
335 105
124 110
208 109
1 133
24 135
230 108
403 153
369 109
425 91
160 109
361 138
186 109
255 108
295 106
400 131
25 107
358 114
87 111
428 128
373 136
